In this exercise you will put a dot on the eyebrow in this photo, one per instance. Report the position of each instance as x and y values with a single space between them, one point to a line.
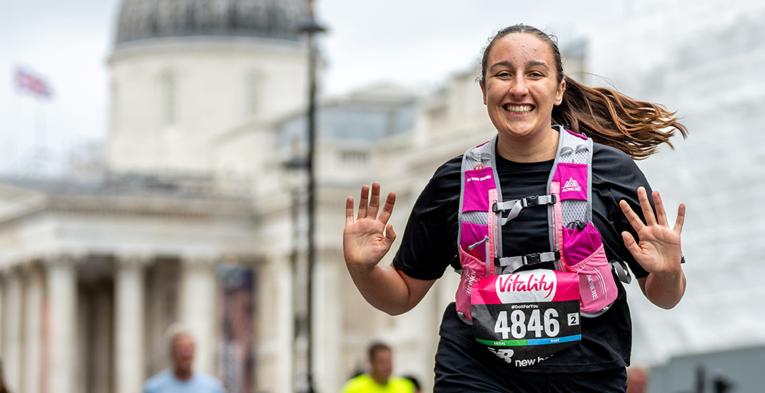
529 64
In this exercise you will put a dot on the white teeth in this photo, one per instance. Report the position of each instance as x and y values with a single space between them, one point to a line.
519 108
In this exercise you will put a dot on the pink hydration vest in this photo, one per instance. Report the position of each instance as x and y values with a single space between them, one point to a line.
576 245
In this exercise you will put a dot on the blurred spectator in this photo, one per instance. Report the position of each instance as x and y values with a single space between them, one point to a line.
378 379
182 378
637 380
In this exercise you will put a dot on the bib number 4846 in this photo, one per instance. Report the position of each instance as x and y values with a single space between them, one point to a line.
538 323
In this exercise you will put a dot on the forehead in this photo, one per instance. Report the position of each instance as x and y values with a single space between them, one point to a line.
183 339
520 48
382 354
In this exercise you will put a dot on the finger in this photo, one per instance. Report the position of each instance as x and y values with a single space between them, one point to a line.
390 234
374 200
363 201
650 219
348 210
632 217
631 244
680 219
661 214
388 208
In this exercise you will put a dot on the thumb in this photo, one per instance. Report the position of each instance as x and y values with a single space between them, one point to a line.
630 244
390 234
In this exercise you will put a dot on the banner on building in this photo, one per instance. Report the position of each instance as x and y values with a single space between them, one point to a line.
236 351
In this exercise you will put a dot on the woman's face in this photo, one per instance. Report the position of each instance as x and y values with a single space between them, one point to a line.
520 86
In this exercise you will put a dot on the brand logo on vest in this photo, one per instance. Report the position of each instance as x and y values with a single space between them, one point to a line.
476 178
527 287
571 185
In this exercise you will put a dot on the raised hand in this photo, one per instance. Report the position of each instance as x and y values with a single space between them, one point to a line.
659 248
368 237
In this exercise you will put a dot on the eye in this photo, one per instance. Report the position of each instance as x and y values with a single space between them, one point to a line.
536 75
504 75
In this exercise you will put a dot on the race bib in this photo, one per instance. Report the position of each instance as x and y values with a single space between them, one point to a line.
525 317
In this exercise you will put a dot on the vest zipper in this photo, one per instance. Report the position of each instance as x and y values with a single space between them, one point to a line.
478 243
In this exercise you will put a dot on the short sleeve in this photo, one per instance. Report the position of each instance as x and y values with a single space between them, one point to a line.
617 177
429 243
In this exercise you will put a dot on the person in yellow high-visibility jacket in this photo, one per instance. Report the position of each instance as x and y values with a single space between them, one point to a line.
379 379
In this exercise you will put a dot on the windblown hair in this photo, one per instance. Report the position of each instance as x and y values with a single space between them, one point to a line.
606 115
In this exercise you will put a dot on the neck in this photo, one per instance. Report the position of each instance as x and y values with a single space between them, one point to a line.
536 148
182 375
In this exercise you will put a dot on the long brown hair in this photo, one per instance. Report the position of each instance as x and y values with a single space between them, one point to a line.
606 115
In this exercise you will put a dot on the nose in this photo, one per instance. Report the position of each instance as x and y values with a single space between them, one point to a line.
518 87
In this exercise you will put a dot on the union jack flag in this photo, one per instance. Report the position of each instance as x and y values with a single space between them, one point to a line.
30 83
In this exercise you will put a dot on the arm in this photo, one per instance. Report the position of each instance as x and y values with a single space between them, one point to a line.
389 289
663 290
366 239
658 250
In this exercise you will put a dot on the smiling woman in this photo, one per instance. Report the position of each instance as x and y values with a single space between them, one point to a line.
541 223
609 117
520 88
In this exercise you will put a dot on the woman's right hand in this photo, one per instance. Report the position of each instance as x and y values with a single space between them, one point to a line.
368 237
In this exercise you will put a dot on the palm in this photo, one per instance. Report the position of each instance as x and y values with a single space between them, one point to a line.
368 237
659 246
364 240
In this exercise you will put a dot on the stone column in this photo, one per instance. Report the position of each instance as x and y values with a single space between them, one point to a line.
274 320
129 323
12 329
284 324
34 290
62 309
327 322
198 312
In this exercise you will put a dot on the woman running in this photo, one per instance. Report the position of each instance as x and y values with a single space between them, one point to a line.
540 221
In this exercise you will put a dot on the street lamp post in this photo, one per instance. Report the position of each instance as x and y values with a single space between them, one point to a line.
311 28
294 166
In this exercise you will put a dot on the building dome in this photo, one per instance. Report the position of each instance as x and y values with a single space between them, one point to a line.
151 19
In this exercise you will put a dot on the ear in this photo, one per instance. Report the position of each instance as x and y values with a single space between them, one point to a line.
483 91
560 92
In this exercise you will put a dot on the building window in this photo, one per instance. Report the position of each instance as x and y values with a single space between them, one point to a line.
254 85
114 105
353 156
167 83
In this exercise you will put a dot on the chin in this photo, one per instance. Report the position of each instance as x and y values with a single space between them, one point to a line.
519 134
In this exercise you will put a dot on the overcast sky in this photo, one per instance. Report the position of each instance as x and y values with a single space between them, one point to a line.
410 42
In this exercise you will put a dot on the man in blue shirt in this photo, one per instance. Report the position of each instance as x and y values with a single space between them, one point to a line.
182 378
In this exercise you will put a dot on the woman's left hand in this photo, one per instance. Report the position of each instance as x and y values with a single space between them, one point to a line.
658 249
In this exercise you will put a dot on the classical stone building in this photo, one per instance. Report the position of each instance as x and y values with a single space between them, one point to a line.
191 219
195 217
97 267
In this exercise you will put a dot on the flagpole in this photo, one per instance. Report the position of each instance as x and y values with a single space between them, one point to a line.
40 135
11 157
29 82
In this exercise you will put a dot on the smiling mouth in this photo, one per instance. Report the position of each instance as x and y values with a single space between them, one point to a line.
518 108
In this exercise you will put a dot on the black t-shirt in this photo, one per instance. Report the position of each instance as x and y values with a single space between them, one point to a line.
429 244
